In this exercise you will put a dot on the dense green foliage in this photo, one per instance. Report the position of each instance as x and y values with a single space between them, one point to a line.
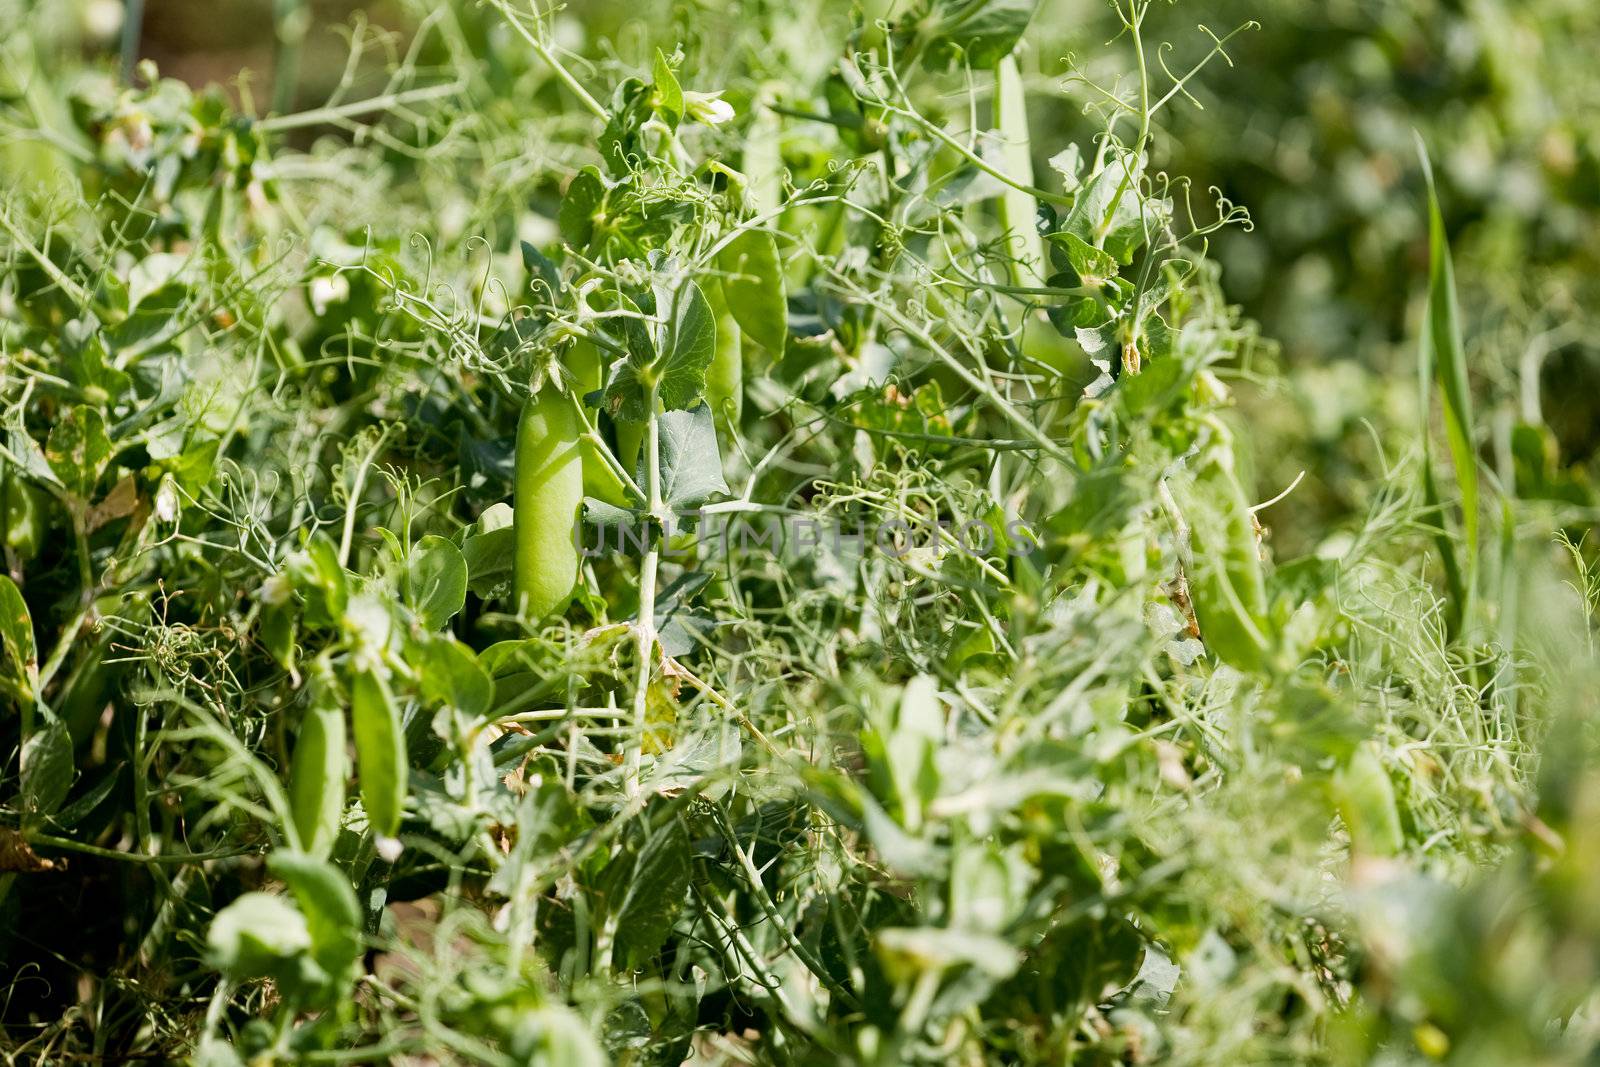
921 681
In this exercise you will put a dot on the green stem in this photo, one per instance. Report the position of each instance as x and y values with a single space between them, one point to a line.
68 845
543 50
645 627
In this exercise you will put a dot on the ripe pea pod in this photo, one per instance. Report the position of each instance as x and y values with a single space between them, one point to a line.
630 440
753 286
725 376
549 492
317 775
1365 799
588 376
1226 585
380 751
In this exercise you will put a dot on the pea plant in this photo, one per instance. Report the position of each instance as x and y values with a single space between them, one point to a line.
716 549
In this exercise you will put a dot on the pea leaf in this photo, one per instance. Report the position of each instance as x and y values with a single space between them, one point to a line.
331 913
16 628
436 581
668 95
980 32
78 449
47 765
688 342
452 675
673 352
586 194
320 580
691 464
29 459
489 548
1109 213
1091 265
656 883
1226 581
542 271
256 937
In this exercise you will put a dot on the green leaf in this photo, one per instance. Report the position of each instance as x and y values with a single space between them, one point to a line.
909 748
542 272
436 581
754 288
656 884
317 576
1109 213
1226 583
586 194
331 913
489 548
48 767
977 32
691 464
452 675
1093 266
90 799
16 629
78 449
673 353
687 346
29 459
256 936
380 752
906 951
668 96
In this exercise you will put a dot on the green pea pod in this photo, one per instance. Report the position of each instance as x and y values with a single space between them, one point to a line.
763 153
600 480
725 376
317 776
754 288
380 752
1365 798
1016 209
630 441
549 492
1226 586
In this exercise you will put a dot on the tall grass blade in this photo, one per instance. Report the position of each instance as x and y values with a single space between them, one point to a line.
1440 357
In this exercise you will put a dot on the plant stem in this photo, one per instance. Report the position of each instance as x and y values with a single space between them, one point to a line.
645 627
573 85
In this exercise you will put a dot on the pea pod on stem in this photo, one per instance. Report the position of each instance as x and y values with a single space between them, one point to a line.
549 492
317 777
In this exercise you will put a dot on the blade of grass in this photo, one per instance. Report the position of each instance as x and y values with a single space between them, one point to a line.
1440 357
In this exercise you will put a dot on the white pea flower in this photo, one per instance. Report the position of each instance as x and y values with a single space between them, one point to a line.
276 590
328 289
167 500
708 108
